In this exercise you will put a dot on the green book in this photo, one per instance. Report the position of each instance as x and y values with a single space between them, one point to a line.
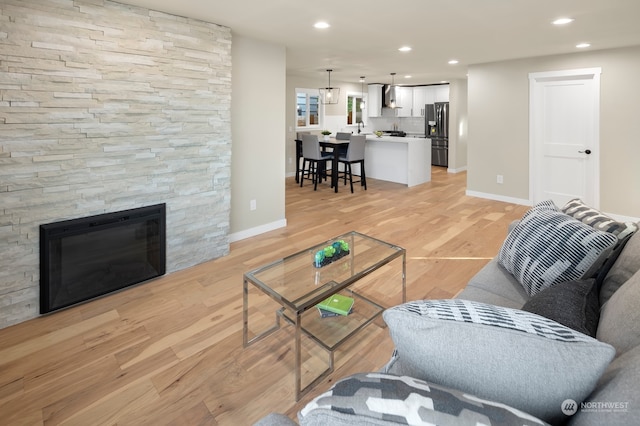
337 303
328 314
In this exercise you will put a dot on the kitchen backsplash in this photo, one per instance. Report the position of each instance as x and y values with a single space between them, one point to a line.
410 125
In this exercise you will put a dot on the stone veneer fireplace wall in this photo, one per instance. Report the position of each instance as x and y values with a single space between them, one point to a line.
106 107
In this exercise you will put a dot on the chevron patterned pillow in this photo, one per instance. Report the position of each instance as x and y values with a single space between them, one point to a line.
385 399
577 209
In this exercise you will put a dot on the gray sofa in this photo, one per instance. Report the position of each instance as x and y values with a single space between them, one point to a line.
526 342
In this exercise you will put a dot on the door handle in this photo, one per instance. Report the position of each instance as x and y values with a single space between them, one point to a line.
586 151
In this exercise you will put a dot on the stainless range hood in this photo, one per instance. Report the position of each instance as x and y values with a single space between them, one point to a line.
389 96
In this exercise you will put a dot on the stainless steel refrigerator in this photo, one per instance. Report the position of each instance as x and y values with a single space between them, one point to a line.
437 129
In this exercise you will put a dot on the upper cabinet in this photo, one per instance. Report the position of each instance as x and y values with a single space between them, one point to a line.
404 101
419 101
442 93
374 100
410 100
423 95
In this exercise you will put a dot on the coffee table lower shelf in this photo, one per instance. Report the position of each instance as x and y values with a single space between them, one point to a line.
329 332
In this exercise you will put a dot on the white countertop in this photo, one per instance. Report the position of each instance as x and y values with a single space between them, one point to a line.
395 139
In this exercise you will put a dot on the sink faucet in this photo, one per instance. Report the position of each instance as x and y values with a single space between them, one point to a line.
359 123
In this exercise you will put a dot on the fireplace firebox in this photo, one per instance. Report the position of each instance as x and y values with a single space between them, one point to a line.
81 259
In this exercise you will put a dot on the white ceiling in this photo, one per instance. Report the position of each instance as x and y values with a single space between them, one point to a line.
365 35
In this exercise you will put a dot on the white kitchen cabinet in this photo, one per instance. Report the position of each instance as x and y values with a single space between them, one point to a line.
431 95
374 100
419 100
402 160
423 95
404 101
442 93
420 96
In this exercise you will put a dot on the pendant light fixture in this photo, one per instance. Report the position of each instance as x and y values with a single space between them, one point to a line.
362 88
329 95
392 94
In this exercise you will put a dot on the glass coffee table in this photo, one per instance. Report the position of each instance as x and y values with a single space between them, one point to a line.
298 285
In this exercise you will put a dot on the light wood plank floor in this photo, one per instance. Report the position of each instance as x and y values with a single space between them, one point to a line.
169 352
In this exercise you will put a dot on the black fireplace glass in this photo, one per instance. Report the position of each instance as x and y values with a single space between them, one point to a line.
81 259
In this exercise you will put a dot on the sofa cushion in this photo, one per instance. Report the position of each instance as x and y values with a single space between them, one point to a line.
383 399
627 264
548 247
620 317
495 286
616 400
571 303
488 297
518 358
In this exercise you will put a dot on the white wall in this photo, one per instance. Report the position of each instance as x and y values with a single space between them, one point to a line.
258 149
498 141
458 131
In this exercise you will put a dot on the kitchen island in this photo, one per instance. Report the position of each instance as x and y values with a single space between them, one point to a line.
403 160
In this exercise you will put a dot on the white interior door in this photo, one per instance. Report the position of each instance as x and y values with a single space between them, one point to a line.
564 120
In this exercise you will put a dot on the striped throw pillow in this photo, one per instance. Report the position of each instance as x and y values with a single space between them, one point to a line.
548 247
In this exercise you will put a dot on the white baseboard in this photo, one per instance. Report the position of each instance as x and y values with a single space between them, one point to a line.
497 197
252 232
458 170
524 202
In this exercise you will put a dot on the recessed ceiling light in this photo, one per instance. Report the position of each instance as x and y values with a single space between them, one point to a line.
453 62
583 45
405 49
562 21
407 76
443 81
321 25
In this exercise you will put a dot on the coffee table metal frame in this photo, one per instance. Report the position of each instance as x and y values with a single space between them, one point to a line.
310 287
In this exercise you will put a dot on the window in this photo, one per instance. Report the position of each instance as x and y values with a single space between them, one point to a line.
354 109
307 108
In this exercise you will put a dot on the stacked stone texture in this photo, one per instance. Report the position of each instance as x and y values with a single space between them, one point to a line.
105 107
